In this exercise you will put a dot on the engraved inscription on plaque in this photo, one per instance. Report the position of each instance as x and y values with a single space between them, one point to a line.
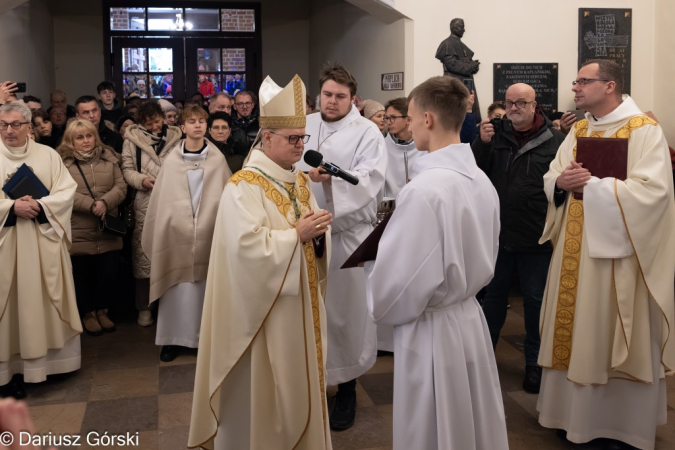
543 77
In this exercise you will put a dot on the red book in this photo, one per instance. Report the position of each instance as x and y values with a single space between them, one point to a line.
603 157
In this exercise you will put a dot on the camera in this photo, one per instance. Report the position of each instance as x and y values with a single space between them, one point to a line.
500 125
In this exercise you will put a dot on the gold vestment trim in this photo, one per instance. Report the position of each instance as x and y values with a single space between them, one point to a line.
569 272
284 207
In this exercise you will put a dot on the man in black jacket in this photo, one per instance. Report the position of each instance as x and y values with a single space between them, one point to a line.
86 107
244 122
516 160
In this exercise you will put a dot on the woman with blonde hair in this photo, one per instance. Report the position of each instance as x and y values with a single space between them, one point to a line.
94 253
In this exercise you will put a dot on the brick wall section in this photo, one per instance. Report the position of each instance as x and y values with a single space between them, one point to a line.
119 18
238 20
234 59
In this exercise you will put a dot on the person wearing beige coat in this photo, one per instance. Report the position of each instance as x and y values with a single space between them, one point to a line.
152 141
95 255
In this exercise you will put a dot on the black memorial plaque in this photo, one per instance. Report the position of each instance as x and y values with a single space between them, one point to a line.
605 33
543 77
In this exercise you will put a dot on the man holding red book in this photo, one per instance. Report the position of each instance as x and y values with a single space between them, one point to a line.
607 337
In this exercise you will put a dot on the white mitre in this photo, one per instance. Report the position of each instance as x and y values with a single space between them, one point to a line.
282 108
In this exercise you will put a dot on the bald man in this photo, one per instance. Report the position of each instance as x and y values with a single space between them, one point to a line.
515 156
57 99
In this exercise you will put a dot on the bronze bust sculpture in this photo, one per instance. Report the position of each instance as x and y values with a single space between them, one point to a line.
458 60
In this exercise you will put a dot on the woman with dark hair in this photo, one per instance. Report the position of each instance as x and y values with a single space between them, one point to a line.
146 144
220 133
94 253
42 124
123 123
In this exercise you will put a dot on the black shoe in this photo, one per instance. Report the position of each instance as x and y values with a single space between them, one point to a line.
344 413
613 444
562 434
384 353
168 353
15 388
532 379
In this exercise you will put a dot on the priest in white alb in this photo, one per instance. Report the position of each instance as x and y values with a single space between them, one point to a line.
39 323
607 320
437 251
261 380
355 144
178 232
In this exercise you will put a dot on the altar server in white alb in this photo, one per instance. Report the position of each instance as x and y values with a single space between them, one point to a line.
438 250
178 232
356 145
401 152
607 320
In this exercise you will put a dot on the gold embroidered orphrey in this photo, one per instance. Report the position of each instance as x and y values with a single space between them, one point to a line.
284 206
297 121
571 259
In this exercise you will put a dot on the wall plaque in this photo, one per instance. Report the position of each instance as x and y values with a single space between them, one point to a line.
543 77
606 34
392 81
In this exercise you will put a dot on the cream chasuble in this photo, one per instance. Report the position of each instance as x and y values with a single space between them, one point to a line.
608 315
39 321
260 381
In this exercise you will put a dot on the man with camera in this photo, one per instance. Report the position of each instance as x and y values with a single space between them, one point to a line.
515 153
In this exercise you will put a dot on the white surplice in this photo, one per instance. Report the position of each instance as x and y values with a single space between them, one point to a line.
438 250
179 313
356 145
397 176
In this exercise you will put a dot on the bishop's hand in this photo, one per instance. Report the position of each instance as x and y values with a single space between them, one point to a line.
313 224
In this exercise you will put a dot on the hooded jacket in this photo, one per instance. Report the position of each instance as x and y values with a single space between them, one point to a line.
151 162
517 174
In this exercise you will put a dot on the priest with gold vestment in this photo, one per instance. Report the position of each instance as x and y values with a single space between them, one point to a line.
260 380
39 322
607 320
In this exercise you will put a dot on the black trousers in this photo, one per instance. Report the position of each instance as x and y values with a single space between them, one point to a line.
95 277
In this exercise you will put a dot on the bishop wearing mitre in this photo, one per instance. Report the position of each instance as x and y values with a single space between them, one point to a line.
260 380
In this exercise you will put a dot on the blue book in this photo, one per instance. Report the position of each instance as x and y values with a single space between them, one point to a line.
25 182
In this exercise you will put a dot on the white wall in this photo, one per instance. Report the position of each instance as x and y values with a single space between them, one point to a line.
664 67
27 48
529 31
339 31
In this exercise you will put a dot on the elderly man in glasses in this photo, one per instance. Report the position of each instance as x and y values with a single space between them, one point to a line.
245 124
607 323
39 322
515 154
261 369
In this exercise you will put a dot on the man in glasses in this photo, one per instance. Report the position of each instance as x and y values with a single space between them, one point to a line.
608 325
40 325
356 145
516 160
245 120
260 380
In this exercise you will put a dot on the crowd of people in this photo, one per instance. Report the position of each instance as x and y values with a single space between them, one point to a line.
238 244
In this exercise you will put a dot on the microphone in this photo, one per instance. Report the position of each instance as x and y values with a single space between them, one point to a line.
315 159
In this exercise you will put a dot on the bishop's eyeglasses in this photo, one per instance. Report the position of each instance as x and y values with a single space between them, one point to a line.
294 138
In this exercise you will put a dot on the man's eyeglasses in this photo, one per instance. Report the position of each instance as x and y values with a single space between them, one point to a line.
392 118
243 105
294 138
520 104
15 125
584 81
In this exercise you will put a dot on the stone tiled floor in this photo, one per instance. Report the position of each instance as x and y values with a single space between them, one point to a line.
123 386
